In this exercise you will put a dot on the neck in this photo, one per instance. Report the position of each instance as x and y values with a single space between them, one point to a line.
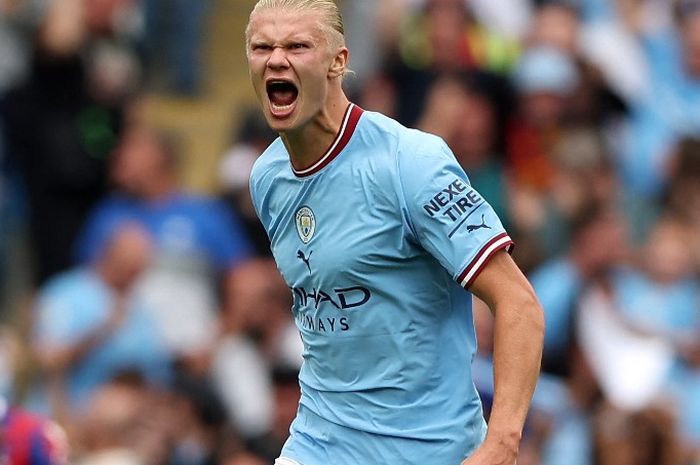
159 188
307 144
111 277
102 270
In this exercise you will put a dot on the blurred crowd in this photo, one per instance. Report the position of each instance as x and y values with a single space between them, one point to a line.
158 330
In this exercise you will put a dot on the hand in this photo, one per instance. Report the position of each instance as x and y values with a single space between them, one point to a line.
493 452
118 314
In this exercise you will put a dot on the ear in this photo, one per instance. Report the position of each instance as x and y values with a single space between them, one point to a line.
339 65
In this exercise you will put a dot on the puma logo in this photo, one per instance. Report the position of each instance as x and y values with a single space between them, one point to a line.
474 227
301 256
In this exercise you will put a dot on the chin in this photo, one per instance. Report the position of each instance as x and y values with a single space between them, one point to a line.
286 124
279 126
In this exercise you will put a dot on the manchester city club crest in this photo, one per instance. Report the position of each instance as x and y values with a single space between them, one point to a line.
306 224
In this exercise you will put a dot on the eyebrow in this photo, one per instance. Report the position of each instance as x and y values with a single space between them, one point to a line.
285 42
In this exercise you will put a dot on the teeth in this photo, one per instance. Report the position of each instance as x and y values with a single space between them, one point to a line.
282 107
272 83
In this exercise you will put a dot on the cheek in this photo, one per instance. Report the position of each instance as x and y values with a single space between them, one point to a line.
311 69
257 81
256 68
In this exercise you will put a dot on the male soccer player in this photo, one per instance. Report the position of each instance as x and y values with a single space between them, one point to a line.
378 233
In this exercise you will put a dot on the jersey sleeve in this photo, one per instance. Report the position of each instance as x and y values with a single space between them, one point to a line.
445 215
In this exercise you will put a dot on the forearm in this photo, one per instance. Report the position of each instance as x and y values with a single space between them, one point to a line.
58 359
518 338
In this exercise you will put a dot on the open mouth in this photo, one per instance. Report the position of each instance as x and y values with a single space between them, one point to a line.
282 95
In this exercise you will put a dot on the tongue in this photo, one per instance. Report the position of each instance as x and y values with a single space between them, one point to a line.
283 97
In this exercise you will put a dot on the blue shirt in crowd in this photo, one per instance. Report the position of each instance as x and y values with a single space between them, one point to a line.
182 225
72 306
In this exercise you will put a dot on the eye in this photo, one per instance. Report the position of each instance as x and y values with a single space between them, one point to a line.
260 47
299 46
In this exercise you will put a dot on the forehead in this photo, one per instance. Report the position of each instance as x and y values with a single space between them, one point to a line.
282 23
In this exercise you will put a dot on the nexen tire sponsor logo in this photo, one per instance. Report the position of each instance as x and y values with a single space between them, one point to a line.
455 204
452 202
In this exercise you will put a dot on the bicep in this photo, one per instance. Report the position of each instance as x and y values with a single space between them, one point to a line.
500 283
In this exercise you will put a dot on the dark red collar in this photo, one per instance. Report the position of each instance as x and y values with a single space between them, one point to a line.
347 128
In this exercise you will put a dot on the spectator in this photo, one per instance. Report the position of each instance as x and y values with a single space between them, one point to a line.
89 327
598 244
60 126
509 18
662 297
683 198
555 24
545 79
196 240
608 40
442 37
258 333
644 438
674 64
558 159
199 418
660 302
30 439
108 427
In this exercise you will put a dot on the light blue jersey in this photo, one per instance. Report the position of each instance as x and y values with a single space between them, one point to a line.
377 241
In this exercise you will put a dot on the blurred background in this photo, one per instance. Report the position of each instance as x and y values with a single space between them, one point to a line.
142 320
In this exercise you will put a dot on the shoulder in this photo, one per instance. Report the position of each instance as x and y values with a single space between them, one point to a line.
109 210
272 160
408 148
114 202
111 205
421 148
66 284
410 144
272 164
389 130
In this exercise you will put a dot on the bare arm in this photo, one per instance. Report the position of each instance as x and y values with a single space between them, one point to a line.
518 339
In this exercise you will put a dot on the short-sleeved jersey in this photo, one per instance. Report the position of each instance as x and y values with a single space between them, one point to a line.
377 241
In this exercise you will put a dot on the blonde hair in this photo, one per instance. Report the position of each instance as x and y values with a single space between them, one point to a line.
331 22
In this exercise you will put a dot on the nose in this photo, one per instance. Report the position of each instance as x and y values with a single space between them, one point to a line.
278 59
